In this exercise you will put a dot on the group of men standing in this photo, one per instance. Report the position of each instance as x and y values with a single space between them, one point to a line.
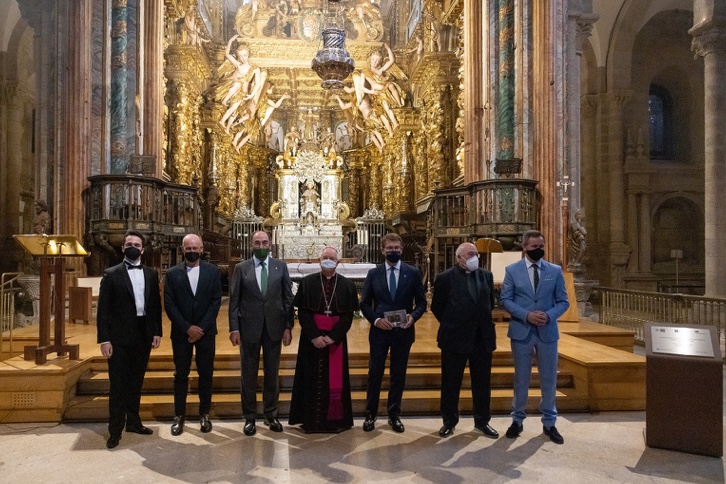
261 311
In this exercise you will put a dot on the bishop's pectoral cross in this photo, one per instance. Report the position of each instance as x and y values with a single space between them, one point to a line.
328 312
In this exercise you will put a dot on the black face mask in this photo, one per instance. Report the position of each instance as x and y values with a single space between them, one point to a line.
132 253
192 256
393 257
535 254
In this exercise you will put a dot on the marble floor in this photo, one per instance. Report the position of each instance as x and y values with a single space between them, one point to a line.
602 448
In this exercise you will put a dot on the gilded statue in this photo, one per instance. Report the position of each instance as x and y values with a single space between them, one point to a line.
241 78
370 123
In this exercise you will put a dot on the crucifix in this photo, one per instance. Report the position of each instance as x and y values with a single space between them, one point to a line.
565 185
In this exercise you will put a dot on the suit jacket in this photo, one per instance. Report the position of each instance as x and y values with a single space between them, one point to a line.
518 298
116 315
376 298
461 316
250 311
185 308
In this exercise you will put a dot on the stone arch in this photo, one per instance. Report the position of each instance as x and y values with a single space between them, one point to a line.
632 16
678 223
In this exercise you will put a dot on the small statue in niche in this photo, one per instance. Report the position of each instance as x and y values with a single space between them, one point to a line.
192 30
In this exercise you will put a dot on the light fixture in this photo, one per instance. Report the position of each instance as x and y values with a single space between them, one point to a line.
332 63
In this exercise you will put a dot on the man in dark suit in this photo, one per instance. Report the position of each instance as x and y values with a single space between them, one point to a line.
462 302
391 286
534 294
192 297
260 317
129 326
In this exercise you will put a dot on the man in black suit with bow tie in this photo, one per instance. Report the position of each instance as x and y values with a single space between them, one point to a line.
129 326
390 286
192 298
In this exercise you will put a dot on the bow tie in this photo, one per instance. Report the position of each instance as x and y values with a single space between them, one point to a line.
131 266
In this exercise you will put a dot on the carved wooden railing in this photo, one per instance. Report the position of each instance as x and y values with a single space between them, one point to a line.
121 202
488 208
631 310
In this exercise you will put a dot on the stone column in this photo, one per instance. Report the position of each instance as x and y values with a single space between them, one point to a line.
709 42
473 91
151 86
618 249
644 235
119 85
633 230
14 167
578 30
75 163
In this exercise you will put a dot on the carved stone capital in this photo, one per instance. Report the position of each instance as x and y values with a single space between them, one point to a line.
617 99
708 42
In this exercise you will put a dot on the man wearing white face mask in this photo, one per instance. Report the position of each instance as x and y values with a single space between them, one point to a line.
321 399
462 302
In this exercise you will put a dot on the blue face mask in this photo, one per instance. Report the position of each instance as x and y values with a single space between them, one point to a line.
393 257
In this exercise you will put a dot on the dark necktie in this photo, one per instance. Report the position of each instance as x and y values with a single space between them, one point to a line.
131 266
263 279
536 276
392 283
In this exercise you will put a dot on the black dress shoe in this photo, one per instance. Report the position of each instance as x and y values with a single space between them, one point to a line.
250 428
488 431
369 424
274 424
178 426
204 424
514 430
446 430
396 424
112 441
140 430
553 434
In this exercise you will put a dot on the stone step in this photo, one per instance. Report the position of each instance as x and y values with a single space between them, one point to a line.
225 381
94 408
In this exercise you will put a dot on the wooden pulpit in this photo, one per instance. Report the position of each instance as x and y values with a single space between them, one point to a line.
52 251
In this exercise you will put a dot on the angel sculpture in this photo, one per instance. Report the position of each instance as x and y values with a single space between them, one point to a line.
241 77
370 124
193 32
257 112
376 93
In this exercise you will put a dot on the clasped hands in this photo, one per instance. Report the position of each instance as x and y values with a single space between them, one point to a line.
195 333
538 318
322 341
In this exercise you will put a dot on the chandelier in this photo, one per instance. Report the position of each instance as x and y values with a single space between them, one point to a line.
332 63
310 165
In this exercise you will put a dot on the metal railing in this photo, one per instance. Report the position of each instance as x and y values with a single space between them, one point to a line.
8 288
632 309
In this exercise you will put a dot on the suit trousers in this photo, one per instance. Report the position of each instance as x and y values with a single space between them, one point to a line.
126 369
250 355
546 352
452 373
204 359
399 341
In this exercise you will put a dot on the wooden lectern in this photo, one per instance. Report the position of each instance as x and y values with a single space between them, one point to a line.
52 251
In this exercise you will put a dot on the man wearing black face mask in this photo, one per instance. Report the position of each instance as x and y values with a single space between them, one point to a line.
260 317
534 294
192 298
129 326
390 287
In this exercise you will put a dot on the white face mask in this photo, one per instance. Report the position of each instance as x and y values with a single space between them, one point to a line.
328 264
472 263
